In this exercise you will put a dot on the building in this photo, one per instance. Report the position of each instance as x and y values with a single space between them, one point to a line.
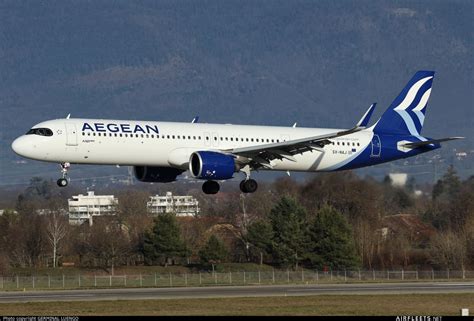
180 205
409 225
82 208
398 179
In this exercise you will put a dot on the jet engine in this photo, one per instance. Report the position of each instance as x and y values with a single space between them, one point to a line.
156 174
211 165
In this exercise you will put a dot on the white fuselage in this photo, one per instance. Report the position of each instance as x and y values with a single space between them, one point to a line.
120 142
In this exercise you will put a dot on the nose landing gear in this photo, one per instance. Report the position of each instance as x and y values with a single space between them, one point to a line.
64 180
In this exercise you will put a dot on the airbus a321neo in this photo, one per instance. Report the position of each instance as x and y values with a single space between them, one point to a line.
160 151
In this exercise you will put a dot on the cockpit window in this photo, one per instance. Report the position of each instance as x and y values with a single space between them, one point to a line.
40 131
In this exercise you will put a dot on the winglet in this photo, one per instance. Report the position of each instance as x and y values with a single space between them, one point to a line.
364 121
68 115
195 120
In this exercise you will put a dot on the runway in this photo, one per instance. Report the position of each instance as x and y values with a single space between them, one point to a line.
235 291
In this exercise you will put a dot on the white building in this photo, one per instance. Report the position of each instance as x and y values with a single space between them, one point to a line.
180 205
82 208
398 179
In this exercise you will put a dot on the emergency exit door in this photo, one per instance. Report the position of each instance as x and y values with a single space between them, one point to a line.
71 134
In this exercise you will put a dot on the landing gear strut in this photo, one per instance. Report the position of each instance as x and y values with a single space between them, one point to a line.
64 180
248 185
210 187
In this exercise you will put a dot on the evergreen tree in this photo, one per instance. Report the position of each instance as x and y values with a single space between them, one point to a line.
260 235
214 251
448 186
163 242
288 221
330 241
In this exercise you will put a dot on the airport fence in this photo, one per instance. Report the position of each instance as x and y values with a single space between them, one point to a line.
41 282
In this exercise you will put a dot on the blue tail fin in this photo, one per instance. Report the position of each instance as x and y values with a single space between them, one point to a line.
406 114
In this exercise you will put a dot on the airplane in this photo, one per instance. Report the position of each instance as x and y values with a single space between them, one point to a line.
161 151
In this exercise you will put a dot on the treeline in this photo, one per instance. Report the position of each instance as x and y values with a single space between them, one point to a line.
332 221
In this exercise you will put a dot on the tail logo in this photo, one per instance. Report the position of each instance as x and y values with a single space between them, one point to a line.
413 106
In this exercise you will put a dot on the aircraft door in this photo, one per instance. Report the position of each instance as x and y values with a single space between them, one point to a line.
71 134
376 146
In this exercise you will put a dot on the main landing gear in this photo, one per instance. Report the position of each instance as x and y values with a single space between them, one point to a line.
210 187
64 180
248 185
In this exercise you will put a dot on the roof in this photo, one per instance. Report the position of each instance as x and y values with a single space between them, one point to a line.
409 224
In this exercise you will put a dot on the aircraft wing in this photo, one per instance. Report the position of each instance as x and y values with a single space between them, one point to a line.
261 155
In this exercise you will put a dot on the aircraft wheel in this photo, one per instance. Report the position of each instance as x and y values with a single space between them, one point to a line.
62 182
210 187
248 186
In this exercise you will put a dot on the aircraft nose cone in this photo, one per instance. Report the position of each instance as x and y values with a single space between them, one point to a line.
20 146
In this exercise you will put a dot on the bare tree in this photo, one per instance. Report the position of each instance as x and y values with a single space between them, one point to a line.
56 229
449 249
108 243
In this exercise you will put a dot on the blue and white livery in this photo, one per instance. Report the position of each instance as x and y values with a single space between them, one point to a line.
161 151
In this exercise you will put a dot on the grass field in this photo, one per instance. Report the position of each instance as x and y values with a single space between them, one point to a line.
412 304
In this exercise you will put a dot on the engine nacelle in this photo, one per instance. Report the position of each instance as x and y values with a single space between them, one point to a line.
211 165
156 174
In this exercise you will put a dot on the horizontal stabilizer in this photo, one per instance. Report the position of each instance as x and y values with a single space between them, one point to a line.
364 121
429 142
